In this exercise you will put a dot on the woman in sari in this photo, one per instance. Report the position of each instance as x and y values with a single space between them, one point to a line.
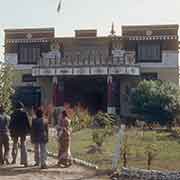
64 138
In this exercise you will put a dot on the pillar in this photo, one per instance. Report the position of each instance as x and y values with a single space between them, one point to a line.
111 107
58 98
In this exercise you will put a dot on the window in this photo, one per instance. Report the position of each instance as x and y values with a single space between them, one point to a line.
28 78
149 52
149 76
28 54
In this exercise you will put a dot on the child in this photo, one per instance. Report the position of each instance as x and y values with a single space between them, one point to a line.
39 137
4 138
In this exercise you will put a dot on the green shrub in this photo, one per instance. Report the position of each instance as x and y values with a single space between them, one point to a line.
80 117
156 102
125 149
151 151
102 120
98 137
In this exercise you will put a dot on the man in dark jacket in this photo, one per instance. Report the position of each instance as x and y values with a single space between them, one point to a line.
19 128
4 138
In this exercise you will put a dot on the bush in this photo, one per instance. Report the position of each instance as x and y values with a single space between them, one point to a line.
156 101
151 151
100 135
101 120
80 117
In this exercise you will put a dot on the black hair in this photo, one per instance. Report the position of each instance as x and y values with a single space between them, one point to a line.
39 113
19 105
64 114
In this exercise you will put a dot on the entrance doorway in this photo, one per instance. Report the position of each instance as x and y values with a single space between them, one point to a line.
90 92
30 96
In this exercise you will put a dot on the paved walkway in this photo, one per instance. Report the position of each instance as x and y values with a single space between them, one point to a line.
75 172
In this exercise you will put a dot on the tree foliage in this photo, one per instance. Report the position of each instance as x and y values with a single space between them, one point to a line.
6 85
156 101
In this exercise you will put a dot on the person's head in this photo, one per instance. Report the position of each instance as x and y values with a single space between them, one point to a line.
64 114
1 109
19 105
39 112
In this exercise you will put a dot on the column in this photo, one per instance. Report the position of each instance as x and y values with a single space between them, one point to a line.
58 92
111 108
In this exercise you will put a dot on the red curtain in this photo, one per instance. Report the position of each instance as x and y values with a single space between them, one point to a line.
109 91
56 94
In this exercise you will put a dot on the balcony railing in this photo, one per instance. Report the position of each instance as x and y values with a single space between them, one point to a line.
118 64
69 61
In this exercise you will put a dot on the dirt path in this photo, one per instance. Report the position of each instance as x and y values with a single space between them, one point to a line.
75 172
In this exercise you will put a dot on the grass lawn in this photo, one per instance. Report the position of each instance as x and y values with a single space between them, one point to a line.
167 156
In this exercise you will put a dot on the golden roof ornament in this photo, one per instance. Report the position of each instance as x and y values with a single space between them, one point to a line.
112 30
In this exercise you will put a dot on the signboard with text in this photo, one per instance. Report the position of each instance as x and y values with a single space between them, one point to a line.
81 71
47 71
63 71
99 70
113 70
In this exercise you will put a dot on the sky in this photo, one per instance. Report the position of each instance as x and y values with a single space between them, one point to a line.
85 14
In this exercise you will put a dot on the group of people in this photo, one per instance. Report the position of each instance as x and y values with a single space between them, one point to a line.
19 127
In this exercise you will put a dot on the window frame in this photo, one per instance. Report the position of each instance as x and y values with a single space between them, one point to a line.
27 58
148 60
28 78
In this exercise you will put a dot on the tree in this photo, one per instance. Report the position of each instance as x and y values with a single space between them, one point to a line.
156 101
6 85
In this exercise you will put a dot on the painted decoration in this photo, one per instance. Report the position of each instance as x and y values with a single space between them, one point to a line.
64 71
117 70
118 53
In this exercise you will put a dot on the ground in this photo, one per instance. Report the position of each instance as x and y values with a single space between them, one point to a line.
75 172
167 156
167 143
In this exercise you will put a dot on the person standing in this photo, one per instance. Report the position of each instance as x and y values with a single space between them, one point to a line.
39 137
4 138
64 139
19 128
